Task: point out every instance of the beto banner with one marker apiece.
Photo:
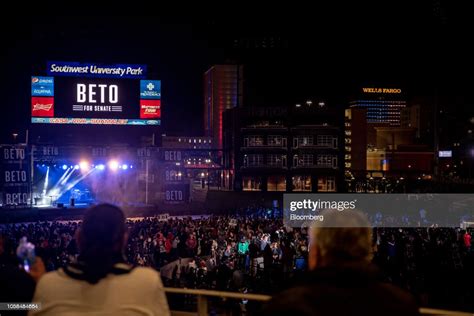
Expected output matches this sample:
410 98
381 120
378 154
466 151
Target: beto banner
176 193
15 173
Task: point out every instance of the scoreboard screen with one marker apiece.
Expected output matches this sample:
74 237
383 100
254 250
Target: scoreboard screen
77 93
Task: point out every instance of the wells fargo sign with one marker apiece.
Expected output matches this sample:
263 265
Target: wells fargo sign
381 90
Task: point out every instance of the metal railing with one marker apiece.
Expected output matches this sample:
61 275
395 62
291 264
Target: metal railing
203 295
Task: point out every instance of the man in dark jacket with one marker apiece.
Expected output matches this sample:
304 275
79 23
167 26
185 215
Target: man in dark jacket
342 281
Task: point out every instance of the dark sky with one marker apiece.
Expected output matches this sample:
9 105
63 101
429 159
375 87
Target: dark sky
326 51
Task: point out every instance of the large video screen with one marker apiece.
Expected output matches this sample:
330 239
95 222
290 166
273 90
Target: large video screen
79 93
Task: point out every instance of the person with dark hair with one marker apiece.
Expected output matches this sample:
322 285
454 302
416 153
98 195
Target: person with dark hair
99 282
253 254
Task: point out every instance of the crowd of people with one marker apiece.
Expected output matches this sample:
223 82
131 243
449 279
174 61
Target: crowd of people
255 252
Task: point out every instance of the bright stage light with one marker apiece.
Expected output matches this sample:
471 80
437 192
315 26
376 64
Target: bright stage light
84 165
64 167
76 167
100 167
113 165
124 167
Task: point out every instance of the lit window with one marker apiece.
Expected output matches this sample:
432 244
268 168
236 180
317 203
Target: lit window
301 183
326 184
251 184
276 183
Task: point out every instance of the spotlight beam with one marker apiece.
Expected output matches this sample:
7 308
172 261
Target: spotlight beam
63 176
76 181
58 183
45 187
68 176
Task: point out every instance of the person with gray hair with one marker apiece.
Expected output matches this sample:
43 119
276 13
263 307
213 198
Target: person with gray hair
341 238
342 279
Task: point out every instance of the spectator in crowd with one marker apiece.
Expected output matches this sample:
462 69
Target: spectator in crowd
410 257
242 251
16 285
267 263
467 241
253 255
99 282
191 245
342 280
264 241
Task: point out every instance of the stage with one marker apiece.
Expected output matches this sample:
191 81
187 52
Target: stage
215 202
71 213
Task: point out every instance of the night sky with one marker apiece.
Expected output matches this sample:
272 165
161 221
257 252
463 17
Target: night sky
290 54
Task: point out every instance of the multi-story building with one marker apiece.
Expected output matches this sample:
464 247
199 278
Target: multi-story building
383 105
396 153
382 138
410 117
223 90
355 141
293 148
420 116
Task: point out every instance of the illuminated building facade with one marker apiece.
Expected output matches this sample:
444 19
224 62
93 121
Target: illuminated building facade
355 141
288 149
186 142
189 159
223 90
383 105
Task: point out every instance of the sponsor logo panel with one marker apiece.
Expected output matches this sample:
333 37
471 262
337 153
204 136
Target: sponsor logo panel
150 89
150 109
42 107
42 86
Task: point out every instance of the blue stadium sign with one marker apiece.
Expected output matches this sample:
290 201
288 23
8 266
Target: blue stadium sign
94 70
42 86
150 89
